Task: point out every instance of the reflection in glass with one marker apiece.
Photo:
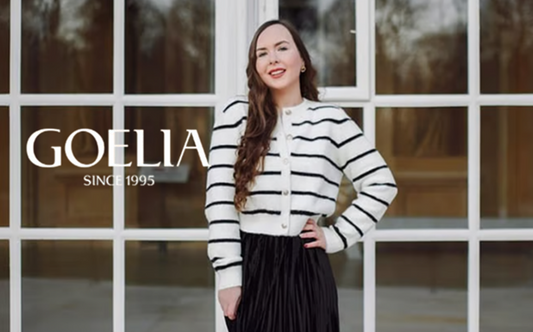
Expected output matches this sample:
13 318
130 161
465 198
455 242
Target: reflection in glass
67 286
506 46
347 268
4 46
506 164
421 46
506 286
426 149
169 287
60 197
177 198
4 166
329 41
67 46
421 287
170 46
4 286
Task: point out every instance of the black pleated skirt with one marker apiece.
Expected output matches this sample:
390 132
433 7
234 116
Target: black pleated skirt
286 287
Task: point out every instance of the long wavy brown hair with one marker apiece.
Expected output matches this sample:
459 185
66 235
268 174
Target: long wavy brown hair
262 115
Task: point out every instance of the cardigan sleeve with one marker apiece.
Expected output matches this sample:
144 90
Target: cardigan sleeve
371 178
224 247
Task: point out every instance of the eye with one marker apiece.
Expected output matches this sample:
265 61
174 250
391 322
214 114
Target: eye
283 48
259 55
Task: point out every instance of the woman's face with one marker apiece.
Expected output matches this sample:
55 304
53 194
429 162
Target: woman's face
278 60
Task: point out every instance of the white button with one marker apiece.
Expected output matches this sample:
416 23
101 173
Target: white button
288 112
285 161
285 192
289 137
283 225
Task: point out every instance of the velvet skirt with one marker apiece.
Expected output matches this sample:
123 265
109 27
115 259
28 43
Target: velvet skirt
286 287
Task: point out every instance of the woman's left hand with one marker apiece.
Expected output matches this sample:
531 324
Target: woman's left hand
316 232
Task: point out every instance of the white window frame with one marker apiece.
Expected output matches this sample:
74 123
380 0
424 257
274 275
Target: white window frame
235 22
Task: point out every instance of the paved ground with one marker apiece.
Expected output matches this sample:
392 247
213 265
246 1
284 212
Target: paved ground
84 306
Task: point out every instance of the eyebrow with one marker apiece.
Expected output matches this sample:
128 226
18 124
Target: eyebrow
280 42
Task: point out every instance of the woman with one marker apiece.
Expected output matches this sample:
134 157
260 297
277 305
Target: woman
276 161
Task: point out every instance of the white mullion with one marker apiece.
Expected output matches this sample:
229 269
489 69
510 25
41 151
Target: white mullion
82 99
506 235
372 43
369 122
268 10
421 235
369 256
474 147
422 100
119 286
201 234
15 194
226 82
177 100
189 234
369 285
345 93
506 100
362 58
5 99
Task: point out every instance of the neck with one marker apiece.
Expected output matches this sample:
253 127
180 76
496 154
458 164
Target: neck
286 98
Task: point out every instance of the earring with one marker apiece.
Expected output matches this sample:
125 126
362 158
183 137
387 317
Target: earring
303 68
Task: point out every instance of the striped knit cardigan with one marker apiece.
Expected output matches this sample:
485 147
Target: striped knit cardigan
313 145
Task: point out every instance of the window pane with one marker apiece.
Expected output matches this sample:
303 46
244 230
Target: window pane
169 287
170 46
4 286
506 46
421 46
4 46
506 287
67 46
329 41
177 199
347 268
67 286
421 287
506 164
61 196
4 166
426 149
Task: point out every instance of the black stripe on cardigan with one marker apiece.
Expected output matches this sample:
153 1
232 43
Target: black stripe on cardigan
222 267
219 203
337 121
353 224
224 221
316 176
229 126
374 198
341 236
220 184
364 154
365 212
327 138
373 170
234 103
261 211
224 241
310 193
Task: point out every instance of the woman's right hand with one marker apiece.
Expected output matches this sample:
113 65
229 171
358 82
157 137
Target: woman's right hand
230 299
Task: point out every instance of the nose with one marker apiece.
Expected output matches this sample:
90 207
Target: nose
273 58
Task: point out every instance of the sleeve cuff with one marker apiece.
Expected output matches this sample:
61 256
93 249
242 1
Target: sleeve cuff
333 242
230 277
